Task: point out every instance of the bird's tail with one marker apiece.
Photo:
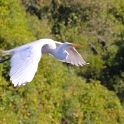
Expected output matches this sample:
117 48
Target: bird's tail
4 53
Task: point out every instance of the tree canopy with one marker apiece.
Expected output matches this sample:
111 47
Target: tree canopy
62 93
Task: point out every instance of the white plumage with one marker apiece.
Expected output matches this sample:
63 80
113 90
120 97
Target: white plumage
25 59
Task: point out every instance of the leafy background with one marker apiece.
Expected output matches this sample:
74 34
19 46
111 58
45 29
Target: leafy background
61 93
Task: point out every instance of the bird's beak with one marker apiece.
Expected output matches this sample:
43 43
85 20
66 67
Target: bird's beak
75 45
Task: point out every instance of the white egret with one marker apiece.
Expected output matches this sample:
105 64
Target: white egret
25 58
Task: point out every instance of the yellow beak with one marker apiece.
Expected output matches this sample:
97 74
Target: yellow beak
75 45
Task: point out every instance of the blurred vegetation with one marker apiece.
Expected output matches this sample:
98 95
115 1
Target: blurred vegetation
61 93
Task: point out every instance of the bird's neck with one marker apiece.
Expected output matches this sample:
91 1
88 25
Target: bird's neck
59 54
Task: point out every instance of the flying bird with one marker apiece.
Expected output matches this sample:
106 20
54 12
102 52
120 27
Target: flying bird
25 58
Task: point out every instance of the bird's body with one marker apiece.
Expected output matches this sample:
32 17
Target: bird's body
25 58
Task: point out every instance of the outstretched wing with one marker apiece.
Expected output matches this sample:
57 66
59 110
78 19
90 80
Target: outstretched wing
74 57
24 64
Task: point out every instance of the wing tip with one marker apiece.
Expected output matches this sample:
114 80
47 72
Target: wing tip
18 83
84 63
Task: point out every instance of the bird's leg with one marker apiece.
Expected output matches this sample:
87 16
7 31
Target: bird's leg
3 60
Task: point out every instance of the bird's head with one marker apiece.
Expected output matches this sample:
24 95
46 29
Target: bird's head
75 45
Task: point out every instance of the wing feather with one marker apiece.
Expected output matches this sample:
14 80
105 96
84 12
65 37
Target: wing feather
24 64
74 57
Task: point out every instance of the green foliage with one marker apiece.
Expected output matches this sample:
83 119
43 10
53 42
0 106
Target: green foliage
98 26
58 96
14 29
113 59
39 29
61 93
